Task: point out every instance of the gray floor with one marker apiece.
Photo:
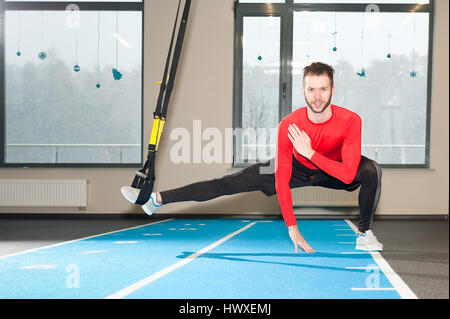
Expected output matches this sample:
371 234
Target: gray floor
417 250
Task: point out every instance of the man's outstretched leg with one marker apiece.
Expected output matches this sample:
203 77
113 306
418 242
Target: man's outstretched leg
246 180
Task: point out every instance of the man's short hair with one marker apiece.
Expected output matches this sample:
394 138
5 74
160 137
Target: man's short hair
319 68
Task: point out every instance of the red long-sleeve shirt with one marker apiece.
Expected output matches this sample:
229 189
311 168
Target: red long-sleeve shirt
337 145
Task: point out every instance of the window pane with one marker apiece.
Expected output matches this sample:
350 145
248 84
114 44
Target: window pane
55 113
391 94
260 88
365 1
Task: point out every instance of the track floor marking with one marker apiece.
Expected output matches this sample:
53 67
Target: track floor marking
403 290
80 239
144 282
372 289
354 252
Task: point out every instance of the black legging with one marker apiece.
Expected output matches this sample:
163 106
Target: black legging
259 178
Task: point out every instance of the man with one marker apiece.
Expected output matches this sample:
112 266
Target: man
317 145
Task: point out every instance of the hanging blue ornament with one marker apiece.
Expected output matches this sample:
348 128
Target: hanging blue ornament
413 73
362 73
389 46
259 57
42 55
98 50
116 74
334 34
76 67
18 40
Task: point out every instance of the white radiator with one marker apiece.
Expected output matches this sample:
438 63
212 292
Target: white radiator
43 192
323 197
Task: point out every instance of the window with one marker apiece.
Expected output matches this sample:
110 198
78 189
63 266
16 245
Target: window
380 50
260 84
71 84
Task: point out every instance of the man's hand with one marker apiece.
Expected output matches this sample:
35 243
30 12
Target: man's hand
298 240
301 141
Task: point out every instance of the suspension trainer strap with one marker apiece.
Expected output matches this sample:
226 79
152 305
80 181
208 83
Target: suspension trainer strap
145 177
176 57
163 82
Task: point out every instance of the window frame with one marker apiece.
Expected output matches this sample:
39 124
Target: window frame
286 12
61 6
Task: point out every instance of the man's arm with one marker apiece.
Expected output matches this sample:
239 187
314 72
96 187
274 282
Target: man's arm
283 173
345 170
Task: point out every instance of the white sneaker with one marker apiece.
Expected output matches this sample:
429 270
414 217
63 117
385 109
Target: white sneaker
131 194
368 241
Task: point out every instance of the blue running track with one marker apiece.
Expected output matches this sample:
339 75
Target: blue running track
201 259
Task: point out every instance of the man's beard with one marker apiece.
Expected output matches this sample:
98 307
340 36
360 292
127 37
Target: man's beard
310 106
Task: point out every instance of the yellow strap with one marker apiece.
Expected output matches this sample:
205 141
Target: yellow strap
158 125
154 131
161 126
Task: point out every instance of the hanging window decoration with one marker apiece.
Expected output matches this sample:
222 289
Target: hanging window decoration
334 34
76 67
42 55
413 73
389 46
19 53
116 74
98 50
362 73
259 39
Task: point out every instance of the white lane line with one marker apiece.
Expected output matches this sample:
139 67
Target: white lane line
80 239
126 242
373 289
88 252
38 267
144 282
403 290
354 252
